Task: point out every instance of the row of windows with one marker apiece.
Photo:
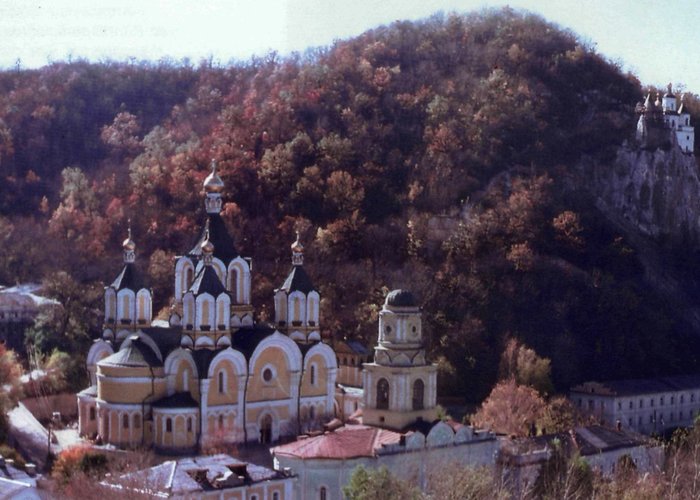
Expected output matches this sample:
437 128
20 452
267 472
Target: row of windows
383 394
267 376
169 424
659 418
672 400
353 361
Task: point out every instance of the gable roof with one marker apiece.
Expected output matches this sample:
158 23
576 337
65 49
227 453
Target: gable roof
297 281
129 278
207 281
224 248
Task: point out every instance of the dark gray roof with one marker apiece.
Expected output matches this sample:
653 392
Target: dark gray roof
137 353
178 477
247 339
90 391
351 347
202 358
207 281
587 440
634 387
224 248
167 339
400 298
129 278
297 281
177 400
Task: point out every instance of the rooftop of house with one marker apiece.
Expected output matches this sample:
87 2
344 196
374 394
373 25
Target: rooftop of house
348 441
638 387
587 440
188 477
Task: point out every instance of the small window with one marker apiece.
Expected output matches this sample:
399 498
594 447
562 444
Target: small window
221 422
661 401
312 412
619 405
312 375
651 402
323 493
92 413
189 425
692 398
629 422
672 399
168 425
631 405
221 381
125 421
682 399
253 497
137 421
275 496
267 374
641 403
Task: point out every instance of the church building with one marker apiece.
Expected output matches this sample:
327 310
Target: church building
212 373
663 123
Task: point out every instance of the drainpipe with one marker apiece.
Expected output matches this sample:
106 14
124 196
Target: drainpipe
245 394
201 398
143 406
301 378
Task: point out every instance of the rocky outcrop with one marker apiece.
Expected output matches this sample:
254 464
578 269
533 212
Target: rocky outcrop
658 192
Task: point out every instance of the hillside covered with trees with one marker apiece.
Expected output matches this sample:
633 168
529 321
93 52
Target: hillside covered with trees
474 124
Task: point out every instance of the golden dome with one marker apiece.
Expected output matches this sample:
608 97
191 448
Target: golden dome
213 183
207 246
297 247
128 244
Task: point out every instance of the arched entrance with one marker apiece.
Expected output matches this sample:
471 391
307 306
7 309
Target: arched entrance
266 429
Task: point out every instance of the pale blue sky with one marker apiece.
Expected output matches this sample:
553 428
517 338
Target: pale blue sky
657 40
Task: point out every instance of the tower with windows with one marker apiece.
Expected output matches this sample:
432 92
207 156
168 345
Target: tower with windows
297 302
400 385
232 270
206 306
662 123
128 303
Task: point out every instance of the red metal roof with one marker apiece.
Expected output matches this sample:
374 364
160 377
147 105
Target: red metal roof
350 441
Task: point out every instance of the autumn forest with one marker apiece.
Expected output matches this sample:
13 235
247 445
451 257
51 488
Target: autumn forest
440 156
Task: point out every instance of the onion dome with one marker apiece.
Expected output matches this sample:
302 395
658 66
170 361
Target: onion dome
400 298
669 92
207 246
128 244
213 183
657 103
297 247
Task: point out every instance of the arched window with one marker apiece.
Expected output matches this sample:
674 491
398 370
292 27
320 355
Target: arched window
204 324
92 413
186 380
418 393
233 284
312 412
137 421
323 493
142 308
188 278
312 375
189 424
168 425
125 421
221 422
296 310
221 382
126 312
382 394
